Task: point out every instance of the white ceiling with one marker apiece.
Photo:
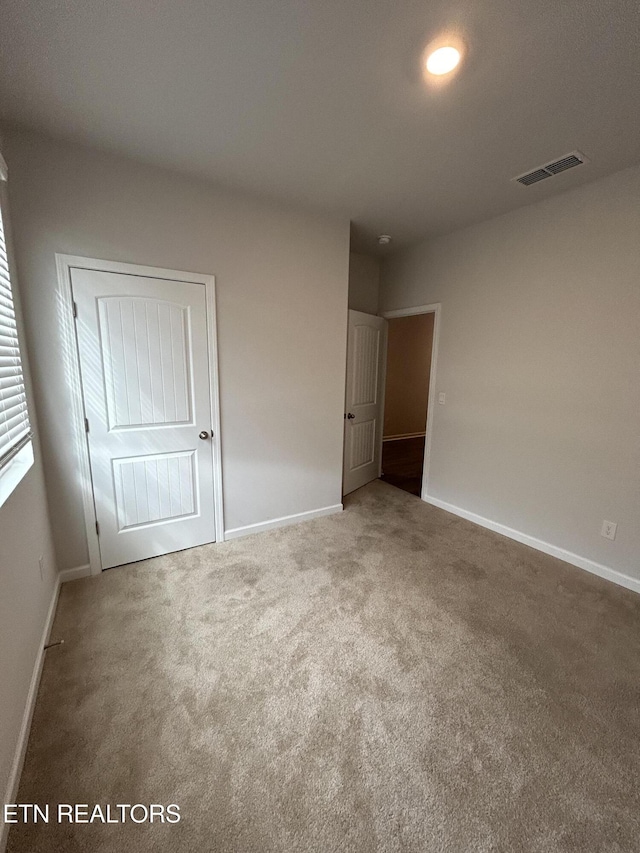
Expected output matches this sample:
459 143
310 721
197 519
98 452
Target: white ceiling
322 102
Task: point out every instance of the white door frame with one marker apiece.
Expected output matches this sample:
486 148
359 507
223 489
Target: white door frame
435 308
67 326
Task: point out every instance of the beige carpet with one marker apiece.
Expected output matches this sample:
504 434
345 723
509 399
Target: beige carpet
389 679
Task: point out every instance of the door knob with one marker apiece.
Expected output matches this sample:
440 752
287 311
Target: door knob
350 416
204 435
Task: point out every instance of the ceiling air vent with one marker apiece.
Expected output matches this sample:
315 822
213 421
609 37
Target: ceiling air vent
551 169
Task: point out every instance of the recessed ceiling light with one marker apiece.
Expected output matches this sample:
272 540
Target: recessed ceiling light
384 239
443 60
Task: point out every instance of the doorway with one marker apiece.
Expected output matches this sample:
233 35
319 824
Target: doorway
389 397
145 375
410 372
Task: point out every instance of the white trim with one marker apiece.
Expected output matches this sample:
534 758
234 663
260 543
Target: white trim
261 526
64 265
404 436
66 575
383 394
435 308
410 312
12 474
553 550
27 716
4 173
212 334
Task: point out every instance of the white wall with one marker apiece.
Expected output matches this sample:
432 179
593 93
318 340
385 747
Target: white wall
364 283
282 282
540 360
25 596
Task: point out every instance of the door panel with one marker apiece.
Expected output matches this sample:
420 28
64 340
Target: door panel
145 375
363 443
149 489
146 346
366 347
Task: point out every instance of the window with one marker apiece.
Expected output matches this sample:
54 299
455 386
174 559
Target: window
16 454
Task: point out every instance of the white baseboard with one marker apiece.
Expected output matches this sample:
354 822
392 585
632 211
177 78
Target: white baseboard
235 532
23 737
553 550
73 574
404 436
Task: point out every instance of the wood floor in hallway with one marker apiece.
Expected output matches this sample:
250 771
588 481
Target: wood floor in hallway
402 463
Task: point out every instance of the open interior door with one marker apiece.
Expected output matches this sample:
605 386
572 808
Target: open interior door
364 410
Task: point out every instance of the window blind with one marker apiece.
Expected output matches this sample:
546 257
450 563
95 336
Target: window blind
15 430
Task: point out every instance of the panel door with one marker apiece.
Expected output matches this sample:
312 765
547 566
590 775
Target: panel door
145 375
366 353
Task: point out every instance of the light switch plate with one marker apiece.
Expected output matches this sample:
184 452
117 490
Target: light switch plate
441 398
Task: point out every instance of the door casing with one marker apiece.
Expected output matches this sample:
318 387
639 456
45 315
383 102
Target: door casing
64 265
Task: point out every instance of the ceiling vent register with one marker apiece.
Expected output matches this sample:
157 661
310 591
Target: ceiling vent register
551 169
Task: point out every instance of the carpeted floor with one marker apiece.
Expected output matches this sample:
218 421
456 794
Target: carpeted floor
392 679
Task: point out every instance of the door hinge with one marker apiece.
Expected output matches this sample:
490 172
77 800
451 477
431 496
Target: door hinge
97 529
75 310
86 424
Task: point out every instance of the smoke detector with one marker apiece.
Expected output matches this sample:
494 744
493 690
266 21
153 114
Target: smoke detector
384 240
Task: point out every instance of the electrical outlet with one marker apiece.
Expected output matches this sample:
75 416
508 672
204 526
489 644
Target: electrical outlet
609 529
41 564
441 398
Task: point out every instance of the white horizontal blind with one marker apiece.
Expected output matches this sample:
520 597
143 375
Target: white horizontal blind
14 418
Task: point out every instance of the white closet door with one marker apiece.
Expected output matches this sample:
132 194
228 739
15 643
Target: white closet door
145 376
366 352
